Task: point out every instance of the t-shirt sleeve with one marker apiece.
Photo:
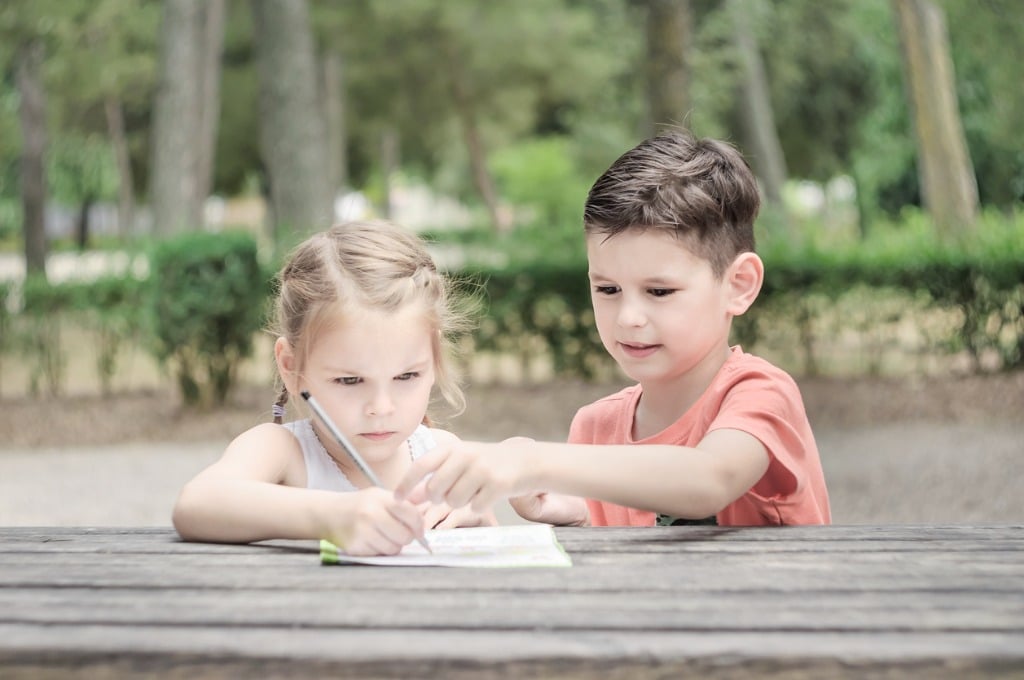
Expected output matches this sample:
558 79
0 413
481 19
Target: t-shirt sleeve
596 424
577 428
769 407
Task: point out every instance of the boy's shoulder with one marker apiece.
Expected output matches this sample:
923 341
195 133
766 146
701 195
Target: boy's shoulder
744 364
754 379
613 401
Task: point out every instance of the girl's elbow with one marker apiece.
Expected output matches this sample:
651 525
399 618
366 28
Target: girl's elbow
185 515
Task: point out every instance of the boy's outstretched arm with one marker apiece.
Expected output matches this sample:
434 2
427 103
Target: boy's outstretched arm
675 480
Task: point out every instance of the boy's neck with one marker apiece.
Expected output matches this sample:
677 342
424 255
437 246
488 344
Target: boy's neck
664 402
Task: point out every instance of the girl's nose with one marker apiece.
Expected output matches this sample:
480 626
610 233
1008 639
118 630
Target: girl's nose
380 405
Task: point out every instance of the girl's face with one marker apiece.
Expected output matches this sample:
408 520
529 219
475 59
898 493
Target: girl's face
373 376
660 311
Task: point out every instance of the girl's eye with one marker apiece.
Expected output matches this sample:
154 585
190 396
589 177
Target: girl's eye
408 376
606 290
347 380
660 292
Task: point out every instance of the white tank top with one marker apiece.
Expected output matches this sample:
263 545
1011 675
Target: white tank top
321 470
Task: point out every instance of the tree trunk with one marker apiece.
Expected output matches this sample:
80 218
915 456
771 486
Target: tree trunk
474 143
32 114
669 31
82 223
209 75
949 189
126 181
176 120
764 150
334 117
388 166
291 124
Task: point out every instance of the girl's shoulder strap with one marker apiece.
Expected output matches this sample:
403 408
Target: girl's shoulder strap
420 441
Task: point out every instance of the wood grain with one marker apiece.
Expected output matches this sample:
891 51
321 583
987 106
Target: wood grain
854 601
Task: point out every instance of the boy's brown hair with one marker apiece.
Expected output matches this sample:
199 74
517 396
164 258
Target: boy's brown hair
702 190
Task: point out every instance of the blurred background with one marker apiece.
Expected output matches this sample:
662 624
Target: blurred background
158 158
143 143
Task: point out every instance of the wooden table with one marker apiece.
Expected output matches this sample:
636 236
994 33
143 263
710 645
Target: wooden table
928 601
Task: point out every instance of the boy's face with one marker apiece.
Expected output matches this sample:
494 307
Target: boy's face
660 311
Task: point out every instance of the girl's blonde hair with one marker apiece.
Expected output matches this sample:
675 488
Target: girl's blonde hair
367 264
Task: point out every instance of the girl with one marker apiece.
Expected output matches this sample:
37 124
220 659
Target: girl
364 321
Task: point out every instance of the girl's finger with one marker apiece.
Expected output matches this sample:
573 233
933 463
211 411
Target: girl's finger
407 524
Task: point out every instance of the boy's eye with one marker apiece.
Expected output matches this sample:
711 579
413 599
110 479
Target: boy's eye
347 380
660 292
606 290
408 376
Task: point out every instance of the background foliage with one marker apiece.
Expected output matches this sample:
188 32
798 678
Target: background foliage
536 98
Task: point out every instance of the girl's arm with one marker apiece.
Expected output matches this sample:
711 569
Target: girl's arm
675 480
256 491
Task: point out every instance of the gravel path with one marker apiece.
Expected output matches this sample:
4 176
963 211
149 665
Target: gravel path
893 473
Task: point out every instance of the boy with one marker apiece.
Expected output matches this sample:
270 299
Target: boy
709 434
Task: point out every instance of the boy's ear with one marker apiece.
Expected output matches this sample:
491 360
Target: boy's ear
287 364
744 278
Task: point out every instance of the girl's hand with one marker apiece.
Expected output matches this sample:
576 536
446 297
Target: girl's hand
552 509
372 522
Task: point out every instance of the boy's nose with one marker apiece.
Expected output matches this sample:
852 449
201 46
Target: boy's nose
631 315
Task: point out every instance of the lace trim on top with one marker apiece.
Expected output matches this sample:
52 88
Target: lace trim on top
321 470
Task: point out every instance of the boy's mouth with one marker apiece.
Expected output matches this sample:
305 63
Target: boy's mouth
638 351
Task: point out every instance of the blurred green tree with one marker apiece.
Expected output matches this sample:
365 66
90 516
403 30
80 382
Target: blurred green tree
948 185
291 123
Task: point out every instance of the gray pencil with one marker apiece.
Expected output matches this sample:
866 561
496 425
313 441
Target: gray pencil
349 449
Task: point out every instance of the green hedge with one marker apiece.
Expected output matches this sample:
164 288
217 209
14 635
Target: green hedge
197 312
546 305
206 300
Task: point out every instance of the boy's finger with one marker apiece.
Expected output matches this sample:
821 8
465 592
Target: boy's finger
420 468
418 496
461 491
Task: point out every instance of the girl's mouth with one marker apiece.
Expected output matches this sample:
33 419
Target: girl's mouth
376 436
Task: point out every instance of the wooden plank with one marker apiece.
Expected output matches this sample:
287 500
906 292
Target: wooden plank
856 572
519 610
592 536
1003 580
216 652
659 602
980 543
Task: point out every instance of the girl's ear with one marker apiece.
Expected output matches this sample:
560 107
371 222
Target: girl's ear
287 364
744 278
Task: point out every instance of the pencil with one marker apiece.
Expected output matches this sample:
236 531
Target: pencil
350 450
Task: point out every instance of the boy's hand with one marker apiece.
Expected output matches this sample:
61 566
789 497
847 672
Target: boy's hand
547 508
468 473
374 524
442 516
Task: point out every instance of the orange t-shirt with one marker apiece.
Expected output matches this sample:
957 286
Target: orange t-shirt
747 394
